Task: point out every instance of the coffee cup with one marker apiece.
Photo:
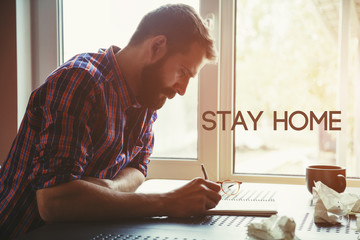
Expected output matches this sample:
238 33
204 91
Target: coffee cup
332 176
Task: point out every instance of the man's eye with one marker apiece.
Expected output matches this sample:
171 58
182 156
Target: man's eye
182 73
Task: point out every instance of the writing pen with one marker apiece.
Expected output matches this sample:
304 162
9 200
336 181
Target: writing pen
204 171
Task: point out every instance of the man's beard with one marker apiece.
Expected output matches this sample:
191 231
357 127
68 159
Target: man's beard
152 92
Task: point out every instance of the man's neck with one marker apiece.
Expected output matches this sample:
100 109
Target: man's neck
130 65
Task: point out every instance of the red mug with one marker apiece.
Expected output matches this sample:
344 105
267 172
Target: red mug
332 176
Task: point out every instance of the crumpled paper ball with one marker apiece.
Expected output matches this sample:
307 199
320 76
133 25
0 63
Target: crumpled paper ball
329 204
275 227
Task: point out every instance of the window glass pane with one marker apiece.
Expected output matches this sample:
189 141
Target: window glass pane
286 60
92 24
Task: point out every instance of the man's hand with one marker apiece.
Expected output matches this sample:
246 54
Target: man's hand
81 200
192 199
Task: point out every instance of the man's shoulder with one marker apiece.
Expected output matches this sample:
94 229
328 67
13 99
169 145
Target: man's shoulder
82 75
95 65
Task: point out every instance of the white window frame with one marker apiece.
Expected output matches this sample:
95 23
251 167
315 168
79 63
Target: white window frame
208 151
215 148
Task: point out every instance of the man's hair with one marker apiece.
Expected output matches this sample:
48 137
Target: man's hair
180 24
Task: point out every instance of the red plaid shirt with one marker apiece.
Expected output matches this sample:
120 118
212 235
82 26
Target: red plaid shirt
74 126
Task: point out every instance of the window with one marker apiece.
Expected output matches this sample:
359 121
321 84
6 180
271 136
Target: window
273 56
287 60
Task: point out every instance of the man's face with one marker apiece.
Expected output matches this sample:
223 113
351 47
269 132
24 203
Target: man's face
168 76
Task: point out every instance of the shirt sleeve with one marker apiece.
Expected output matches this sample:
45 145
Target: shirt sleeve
142 159
63 148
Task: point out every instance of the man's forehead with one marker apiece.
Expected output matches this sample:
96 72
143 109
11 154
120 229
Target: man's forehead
195 58
194 69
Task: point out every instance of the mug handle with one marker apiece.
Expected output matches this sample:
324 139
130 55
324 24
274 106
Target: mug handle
342 181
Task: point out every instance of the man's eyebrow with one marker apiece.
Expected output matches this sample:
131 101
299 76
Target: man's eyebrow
191 74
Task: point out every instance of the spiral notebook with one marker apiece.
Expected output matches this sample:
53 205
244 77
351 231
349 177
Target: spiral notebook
247 202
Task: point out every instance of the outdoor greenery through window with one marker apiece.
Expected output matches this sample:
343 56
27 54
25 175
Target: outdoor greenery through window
287 60
101 24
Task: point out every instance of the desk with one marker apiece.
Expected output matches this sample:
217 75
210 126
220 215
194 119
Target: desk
293 201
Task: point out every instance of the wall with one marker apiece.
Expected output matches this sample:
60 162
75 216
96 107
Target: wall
8 76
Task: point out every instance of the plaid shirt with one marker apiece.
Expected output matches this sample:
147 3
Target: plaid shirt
83 121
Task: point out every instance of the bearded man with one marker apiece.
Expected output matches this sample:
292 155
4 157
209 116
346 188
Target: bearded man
84 143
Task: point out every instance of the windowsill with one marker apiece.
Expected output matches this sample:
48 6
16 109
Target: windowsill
188 169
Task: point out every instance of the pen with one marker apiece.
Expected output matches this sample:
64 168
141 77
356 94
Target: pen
204 171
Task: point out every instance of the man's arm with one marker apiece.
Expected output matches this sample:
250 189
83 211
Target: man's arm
128 180
80 200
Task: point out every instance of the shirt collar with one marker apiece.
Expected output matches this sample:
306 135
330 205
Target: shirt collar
127 98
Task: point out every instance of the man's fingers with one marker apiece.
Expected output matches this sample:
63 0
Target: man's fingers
213 185
210 204
195 198
210 184
213 196
211 191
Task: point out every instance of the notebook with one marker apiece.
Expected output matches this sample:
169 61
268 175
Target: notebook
247 202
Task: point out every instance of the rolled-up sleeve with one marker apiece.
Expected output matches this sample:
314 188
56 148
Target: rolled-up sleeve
63 145
142 159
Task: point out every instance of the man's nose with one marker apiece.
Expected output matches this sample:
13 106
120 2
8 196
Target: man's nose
181 86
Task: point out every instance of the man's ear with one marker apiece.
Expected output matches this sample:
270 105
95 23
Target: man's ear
158 48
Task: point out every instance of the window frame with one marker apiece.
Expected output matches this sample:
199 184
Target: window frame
207 140
214 147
